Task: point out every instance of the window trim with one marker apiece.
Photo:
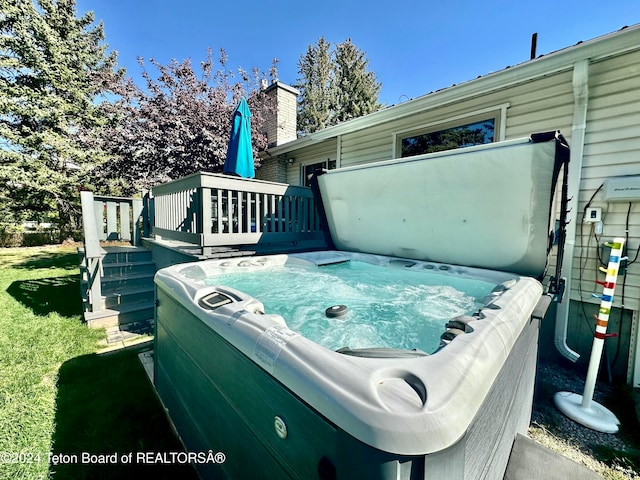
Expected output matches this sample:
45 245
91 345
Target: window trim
326 163
498 113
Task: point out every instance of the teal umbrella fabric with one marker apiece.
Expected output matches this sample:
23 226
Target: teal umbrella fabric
239 159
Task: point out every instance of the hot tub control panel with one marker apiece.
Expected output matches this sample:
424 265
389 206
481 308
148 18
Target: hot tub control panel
214 300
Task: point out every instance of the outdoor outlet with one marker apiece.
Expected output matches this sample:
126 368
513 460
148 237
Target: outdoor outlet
593 215
599 227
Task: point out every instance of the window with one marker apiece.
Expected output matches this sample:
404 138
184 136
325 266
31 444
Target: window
308 170
458 136
471 128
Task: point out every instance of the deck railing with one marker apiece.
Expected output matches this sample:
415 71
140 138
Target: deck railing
117 218
104 218
211 210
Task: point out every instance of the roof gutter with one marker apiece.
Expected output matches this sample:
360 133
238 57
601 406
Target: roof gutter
578 130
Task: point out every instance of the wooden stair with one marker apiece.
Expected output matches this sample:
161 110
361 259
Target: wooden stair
127 300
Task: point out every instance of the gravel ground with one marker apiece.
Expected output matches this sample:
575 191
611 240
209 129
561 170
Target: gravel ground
613 456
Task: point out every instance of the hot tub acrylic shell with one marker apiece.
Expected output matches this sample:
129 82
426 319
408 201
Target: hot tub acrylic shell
279 405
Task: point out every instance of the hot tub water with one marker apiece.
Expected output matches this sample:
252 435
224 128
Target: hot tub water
387 307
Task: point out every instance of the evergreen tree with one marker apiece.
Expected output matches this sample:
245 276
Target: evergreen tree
52 67
356 88
317 103
334 85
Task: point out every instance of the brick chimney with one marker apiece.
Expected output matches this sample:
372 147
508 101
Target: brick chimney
281 125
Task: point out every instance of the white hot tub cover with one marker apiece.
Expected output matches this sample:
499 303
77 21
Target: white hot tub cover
487 206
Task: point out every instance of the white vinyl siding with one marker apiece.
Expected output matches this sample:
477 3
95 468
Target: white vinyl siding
365 146
612 148
541 105
552 110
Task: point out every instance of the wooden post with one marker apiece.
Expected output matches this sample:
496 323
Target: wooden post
125 221
92 250
138 224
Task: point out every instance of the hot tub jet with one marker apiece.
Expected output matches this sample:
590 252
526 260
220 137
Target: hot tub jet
336 311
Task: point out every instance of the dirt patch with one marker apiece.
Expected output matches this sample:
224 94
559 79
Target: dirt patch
613 456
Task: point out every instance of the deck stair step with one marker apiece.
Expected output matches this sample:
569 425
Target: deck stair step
121 254
125 256
131 279
127 289
112 269
127 295
129 333
120 315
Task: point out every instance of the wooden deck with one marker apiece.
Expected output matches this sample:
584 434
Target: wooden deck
171 252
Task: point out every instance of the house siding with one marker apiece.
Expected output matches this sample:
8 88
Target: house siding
533 107
366 146
541 105
612 146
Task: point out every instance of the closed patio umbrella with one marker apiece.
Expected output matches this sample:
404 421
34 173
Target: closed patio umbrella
239 159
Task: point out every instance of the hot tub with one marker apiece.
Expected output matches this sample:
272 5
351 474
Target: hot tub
370 411
322 389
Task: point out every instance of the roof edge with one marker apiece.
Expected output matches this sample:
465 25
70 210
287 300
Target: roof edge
614 43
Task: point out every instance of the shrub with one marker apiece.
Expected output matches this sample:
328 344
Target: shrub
14 235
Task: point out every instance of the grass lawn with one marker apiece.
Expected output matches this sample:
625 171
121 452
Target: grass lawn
60 400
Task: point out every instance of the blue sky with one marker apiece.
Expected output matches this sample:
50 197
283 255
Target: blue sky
413 47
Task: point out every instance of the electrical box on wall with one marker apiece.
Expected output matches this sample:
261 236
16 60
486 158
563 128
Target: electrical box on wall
592 215
622 189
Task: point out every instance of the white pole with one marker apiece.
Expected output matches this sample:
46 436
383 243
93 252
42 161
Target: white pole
602 319
583 409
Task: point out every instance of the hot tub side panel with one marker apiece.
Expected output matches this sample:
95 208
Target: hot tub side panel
505 412
220 400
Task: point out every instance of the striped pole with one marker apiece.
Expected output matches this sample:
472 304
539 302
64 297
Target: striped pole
582 408
602 320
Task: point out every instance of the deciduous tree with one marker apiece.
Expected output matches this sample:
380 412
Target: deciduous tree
180 123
